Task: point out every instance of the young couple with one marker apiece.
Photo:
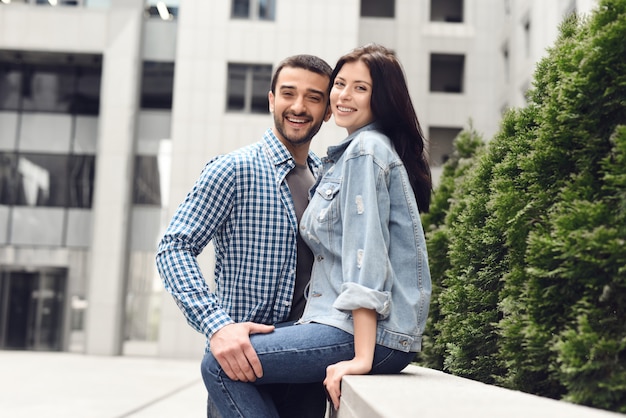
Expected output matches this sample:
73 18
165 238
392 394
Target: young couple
357 253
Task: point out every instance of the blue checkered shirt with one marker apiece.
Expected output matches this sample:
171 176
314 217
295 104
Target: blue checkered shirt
243 204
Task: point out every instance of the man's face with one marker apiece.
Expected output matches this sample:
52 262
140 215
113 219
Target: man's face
299 105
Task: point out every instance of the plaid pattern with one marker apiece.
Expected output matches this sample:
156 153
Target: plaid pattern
242 203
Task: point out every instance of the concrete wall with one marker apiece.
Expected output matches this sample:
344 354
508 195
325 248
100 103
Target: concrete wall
422 392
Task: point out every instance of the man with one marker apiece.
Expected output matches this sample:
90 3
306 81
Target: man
249 203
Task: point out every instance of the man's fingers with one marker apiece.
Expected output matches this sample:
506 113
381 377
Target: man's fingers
254 362
237 368
233 351
255 328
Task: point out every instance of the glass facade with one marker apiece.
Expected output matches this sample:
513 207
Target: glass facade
247 88
49 104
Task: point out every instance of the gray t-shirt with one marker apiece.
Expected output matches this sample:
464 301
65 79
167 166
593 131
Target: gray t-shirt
300 180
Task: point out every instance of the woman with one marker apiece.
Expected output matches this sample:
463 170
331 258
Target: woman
370 286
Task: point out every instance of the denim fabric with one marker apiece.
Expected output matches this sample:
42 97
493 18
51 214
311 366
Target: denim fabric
364 228
294 354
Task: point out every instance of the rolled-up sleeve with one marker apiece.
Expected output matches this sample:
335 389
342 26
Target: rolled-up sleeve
354 296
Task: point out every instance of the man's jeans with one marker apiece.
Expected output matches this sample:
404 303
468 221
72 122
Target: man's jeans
292 400
294 354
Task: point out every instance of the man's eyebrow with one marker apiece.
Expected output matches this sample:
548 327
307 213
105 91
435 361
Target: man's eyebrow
309 90
315 91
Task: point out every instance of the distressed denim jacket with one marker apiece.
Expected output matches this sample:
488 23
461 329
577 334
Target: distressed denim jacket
365 231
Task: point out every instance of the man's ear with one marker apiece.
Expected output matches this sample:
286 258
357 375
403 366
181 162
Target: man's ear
270 99
328 114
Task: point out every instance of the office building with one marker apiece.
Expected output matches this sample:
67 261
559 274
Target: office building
109 109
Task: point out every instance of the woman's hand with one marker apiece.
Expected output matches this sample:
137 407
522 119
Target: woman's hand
335 372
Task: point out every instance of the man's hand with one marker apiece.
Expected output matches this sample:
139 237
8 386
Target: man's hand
232 349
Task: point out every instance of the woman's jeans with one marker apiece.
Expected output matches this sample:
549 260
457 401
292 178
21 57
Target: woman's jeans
293 354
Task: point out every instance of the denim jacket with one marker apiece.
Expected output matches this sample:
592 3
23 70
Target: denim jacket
365 231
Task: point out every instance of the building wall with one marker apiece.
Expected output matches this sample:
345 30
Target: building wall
111 266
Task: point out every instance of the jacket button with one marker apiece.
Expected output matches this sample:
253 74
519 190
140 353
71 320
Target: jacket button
320 257
329 192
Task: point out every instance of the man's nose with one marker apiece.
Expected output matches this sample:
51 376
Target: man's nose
298 105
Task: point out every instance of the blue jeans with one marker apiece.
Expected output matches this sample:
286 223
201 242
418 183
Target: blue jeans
293 354
301 400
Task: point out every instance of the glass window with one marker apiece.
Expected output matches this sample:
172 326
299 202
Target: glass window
8 178
450 11
261 81
10 86
236 90
81 173
159 9
50 82
266 9
42 179
241 9
253 9
147 187
48 88
86 99
248 85
446 73
157 85
378 8
46 180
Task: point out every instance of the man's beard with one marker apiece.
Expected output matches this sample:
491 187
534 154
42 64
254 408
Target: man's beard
306 138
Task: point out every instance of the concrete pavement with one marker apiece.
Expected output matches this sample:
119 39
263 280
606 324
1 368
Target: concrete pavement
50 385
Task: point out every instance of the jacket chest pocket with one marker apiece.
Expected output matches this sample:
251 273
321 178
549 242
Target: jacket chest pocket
327 204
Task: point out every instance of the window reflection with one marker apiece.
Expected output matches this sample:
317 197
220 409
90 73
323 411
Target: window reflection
147 187
241 8
8 180
41 179
266 9
10 86
47 89
81 179
157 85
50 82
46 180
247 88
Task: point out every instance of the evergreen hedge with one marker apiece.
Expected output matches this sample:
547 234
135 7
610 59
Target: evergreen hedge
527 237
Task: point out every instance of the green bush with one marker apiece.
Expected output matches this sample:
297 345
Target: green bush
528 258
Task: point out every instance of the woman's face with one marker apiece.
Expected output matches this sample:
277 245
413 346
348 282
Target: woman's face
350 96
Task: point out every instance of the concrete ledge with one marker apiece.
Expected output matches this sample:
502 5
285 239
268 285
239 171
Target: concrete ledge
422 392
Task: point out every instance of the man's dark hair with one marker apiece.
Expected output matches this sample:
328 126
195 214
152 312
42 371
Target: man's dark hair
304 61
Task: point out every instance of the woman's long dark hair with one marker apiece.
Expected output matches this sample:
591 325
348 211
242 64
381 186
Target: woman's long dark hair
393 110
